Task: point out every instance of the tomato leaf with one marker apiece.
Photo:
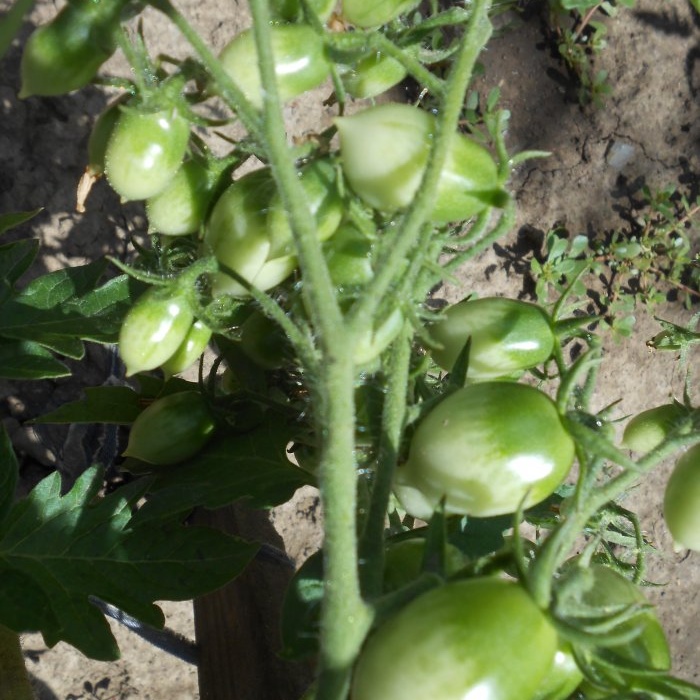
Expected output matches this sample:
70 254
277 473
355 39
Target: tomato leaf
15 259
102 404
58 550
60 309
231 467
8 221
9 470
24 359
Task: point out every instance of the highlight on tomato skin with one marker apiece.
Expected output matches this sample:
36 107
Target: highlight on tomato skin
484 449
481 638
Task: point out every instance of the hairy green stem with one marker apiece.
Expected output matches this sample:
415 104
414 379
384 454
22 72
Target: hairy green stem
14 681
345 618
393 416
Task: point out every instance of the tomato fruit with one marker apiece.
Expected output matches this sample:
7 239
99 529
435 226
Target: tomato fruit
384 151
373 75
237 234
481 638
154 329
485 448
180 208
145 151
300 62
649 429
264 342
682 500
66 54
563 677
347 255
292 11
403 562
507 336
365 13
172 429
189 351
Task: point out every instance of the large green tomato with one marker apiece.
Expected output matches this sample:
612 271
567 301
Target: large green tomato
506 336
484 449
682 500
477 639
384 152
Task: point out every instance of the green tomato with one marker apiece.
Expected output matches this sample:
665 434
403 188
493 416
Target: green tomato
264 342
369 13
384 152
145 152
154 329
319 182
292 10
179 209
403 562
373 75
649 429
563 677
190 350
66 54
348 258
481 638
682 500
484 449
507 336
300 62
237 234
171 429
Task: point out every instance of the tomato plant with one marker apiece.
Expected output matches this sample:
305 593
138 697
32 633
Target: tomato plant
308 267
172 429
482 637
485 449
682 500
506 335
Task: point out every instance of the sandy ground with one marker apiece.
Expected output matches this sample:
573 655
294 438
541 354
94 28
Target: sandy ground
653 59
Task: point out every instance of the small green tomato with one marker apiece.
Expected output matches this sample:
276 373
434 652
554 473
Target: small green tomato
682 501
